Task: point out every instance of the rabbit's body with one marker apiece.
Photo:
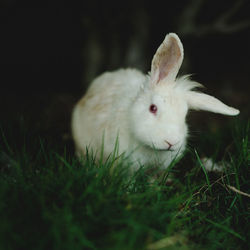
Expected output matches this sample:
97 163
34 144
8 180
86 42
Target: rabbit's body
141 115
103 111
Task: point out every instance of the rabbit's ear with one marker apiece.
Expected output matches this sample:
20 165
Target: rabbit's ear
200 101
167 59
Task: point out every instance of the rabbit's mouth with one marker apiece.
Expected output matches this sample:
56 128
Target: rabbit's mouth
165 149
162 149
166 146
169 148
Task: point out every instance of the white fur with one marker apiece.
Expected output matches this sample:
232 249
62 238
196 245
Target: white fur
117 103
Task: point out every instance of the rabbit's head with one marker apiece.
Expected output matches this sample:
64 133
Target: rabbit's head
157 116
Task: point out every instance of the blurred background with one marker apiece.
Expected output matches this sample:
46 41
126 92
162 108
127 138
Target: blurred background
49 55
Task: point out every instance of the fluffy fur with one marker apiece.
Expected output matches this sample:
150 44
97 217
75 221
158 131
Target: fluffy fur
117 105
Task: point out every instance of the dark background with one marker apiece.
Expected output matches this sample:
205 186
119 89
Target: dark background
49 55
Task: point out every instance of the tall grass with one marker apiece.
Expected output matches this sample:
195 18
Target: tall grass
51 200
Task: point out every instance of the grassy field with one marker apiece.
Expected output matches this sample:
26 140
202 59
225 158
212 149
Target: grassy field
50 200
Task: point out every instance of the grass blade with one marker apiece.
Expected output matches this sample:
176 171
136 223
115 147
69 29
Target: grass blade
204 170
226 229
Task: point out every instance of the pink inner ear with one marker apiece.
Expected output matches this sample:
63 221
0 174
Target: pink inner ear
168 60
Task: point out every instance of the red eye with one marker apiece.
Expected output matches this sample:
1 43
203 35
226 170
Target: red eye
153 108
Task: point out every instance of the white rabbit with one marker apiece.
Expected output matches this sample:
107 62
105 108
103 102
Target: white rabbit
146 113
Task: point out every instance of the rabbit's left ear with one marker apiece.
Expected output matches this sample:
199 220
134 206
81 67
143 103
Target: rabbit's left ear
200 101
167 59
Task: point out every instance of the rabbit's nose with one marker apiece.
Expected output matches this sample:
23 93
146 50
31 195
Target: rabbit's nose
169 144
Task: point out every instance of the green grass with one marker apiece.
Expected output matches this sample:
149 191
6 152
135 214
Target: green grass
50 200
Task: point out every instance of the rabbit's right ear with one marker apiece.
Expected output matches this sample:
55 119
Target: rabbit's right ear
200 101
167 59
